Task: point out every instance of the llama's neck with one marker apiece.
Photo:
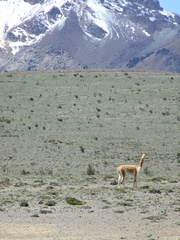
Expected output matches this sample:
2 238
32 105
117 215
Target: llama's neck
141 162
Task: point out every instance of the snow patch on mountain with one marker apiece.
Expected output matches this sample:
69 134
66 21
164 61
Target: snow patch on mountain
14 13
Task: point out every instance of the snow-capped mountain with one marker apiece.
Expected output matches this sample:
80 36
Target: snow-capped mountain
51 34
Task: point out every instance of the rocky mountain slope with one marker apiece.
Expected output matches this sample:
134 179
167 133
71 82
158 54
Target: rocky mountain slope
52 34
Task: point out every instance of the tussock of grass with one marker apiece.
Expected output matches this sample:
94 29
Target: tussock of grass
50 203
119 211
35 215
24 172
155 218
157 179
90 170
125 204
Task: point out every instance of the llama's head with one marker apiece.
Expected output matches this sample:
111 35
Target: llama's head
143 155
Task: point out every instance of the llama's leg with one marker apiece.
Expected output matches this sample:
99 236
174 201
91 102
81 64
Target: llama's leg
135 180
121 177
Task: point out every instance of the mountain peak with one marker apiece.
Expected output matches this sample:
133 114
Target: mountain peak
153 4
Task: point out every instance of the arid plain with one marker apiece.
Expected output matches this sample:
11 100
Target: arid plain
64 133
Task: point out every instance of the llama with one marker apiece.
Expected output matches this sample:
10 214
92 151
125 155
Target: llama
131 169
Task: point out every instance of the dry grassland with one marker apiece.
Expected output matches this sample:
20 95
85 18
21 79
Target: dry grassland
64 133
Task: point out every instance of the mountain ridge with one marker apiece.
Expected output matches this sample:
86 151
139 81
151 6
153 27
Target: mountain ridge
87 34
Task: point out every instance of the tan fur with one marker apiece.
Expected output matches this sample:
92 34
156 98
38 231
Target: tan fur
131 169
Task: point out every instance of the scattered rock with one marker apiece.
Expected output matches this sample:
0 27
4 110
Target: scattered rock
90 211
154 191
114 183
49 187
145 187
44 211
24 204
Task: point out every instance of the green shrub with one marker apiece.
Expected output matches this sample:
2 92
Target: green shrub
24 172
74 201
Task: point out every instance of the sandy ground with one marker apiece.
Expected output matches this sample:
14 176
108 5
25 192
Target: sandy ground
97 219
54 124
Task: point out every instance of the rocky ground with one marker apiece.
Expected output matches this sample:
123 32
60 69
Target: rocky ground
64 133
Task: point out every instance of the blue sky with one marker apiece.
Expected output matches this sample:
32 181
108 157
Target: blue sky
171 5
